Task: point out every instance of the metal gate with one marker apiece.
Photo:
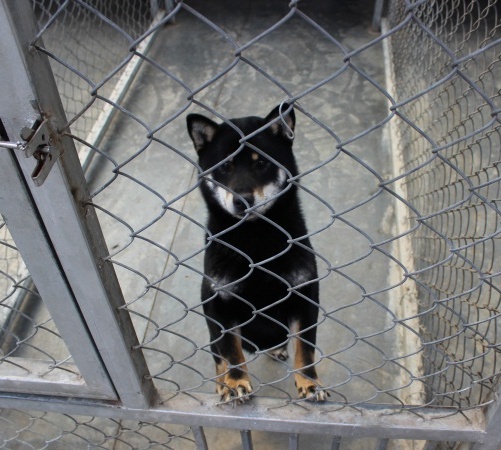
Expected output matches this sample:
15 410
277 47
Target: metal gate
103 340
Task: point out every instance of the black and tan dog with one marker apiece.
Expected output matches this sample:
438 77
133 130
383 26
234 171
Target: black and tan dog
260 285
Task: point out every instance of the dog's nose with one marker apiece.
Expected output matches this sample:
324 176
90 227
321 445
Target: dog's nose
242 202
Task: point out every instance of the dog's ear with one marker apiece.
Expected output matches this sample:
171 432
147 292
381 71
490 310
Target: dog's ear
201 130
284 126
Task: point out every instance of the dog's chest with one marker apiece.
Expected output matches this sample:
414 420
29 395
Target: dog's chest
259 286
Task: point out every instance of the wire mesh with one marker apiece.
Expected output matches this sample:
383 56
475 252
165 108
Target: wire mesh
27 331
411 330
85 40
443 106
447 91
40 430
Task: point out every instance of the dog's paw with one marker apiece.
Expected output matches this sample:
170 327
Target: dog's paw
311 391
279 353
313 394
232 390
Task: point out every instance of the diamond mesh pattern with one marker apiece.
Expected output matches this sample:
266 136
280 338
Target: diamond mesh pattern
405 229
27 331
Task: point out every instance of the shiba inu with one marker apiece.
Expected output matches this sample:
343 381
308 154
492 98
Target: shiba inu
260 286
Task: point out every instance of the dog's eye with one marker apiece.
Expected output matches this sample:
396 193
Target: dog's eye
262 164
226 167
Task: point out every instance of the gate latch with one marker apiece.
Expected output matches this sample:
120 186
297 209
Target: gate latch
36 143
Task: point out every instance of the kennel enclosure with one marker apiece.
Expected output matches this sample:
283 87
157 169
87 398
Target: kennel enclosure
398 143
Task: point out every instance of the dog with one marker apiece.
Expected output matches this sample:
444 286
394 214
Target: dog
260 285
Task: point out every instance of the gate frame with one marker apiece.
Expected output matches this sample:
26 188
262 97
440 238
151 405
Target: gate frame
28 232
71 224
91 292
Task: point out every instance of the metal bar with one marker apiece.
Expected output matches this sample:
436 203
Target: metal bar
12 145
32 376
246 439
336 442
377 15
263 414
294 441
170 5
431 445
71 224
24 225
382 444
153 7
200 440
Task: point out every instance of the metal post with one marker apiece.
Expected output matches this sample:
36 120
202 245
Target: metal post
294 441
377 15
492 439
200 440
382 444
336 442
246 440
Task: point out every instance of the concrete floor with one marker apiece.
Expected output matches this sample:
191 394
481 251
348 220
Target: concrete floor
356 335
298 57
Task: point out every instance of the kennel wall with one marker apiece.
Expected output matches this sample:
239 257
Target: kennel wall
448 136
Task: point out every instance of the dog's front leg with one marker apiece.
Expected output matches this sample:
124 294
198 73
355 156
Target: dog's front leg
233 381
305 373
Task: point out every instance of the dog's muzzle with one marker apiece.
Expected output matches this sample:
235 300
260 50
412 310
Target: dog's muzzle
242 202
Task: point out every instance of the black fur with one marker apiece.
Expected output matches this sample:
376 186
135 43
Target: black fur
252 261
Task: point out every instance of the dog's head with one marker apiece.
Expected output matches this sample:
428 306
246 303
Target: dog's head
245 171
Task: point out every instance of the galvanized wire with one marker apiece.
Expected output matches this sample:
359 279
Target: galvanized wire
442 110
84 39
42 430
435 83
27 331
450 142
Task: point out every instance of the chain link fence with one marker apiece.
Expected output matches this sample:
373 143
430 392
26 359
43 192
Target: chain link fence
87 39
447 104
27 332
34 429
397 140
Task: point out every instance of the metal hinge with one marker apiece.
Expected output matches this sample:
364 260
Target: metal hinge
36 143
